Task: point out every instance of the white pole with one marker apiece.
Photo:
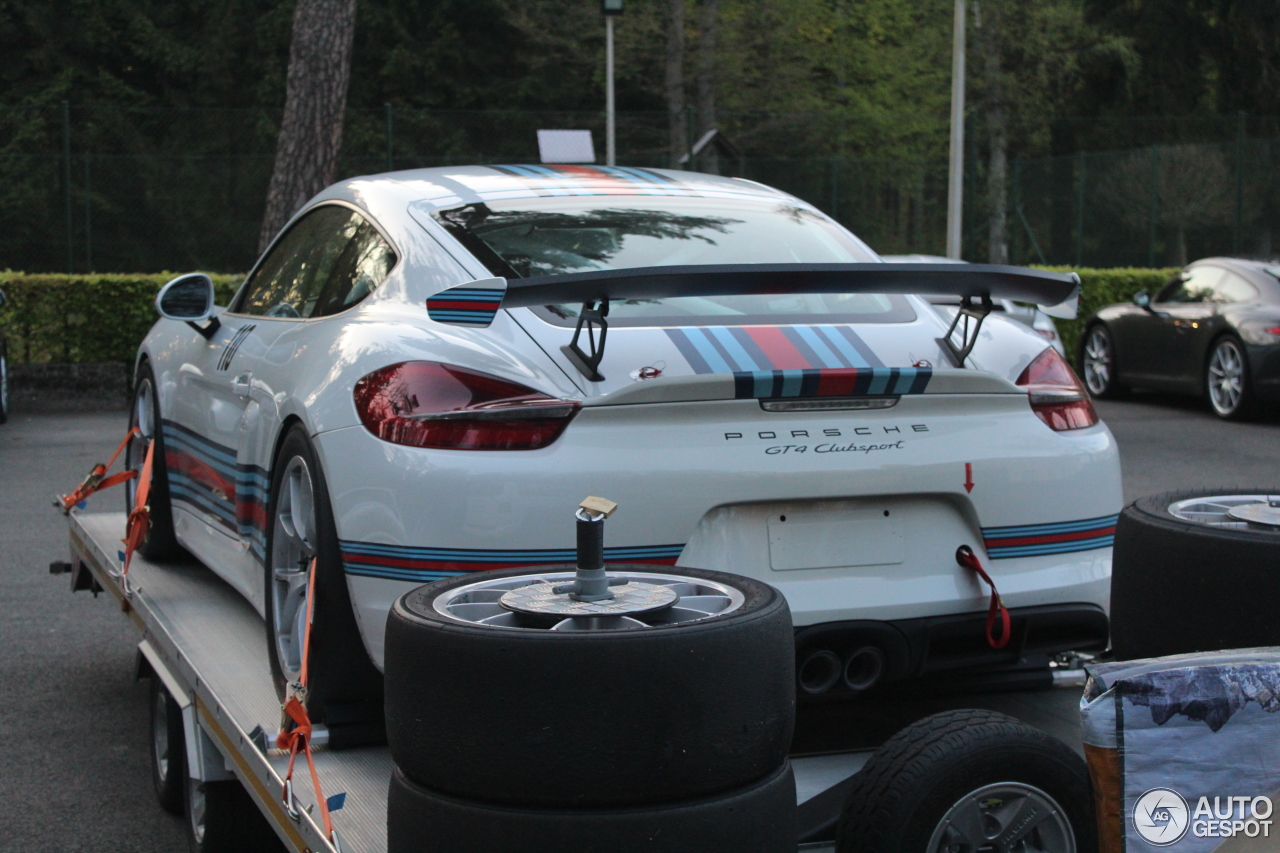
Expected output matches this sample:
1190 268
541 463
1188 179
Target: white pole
611 144
955 178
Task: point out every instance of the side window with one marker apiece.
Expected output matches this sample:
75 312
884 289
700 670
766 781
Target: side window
362 266
291 277
1195 285
1233 288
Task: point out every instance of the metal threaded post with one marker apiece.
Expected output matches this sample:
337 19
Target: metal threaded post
591 583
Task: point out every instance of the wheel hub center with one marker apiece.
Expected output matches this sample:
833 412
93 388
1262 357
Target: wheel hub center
628 599
1257 515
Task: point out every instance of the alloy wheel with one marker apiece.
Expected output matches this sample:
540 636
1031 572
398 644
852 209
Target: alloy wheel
1098 361
1007 817
293 544
1226 377
196 810
160 734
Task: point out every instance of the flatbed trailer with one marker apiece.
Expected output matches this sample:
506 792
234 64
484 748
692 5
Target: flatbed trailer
206 644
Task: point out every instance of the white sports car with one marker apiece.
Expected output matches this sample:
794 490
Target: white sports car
415 381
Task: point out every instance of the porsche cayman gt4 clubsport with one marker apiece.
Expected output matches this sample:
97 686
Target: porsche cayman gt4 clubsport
428 370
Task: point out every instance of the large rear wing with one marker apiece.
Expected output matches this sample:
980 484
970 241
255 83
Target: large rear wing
475 303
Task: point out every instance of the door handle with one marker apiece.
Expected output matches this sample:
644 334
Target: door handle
240 385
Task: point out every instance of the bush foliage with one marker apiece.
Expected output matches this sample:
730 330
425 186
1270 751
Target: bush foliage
84 318
97 318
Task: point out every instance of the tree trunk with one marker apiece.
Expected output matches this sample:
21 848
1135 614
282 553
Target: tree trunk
677 124
988 27
707 21
315 100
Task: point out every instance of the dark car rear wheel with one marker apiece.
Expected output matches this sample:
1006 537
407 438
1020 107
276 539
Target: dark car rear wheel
1098 362
1226 379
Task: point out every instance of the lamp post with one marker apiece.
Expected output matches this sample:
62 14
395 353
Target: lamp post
955 177
610 9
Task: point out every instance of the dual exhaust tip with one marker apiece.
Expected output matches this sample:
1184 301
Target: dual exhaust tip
822 669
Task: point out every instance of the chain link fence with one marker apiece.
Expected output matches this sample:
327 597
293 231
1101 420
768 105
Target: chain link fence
106 189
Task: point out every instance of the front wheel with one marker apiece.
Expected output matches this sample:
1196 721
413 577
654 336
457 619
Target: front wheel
160 542
344 688
1226 379
972 781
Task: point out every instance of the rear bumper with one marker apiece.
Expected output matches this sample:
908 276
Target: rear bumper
953 650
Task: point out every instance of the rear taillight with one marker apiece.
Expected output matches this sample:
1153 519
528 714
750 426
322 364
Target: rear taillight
427 404
1057 395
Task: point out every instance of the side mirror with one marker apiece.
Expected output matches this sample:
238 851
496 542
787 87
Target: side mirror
189 298
1143 300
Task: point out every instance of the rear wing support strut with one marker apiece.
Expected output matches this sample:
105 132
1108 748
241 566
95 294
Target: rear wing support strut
969 310
592 318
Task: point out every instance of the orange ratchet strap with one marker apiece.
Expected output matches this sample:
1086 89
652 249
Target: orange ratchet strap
97 479
968 559
298 738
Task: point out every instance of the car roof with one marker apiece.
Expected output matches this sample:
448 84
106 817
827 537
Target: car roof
451 186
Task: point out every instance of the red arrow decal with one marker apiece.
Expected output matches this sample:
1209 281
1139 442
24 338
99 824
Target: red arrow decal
968 476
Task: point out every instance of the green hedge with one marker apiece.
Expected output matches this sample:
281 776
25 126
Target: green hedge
1102 287
85 318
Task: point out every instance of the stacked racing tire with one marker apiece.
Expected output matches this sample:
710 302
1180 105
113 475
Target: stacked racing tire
515 728
1196 571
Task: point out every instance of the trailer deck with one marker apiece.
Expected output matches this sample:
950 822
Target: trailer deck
206 642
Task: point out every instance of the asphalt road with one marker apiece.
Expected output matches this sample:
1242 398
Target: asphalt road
74 772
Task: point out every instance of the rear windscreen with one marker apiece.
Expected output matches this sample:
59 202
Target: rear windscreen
550 236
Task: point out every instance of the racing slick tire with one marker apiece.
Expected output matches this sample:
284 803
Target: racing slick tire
168 749
760 817
590 718
222 818
160 543
1180 586
344 688
962 780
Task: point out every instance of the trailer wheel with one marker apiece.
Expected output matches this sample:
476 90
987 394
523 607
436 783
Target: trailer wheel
345 688
222 818
760 817
160 542
589 716
168 749
969 780
1188 577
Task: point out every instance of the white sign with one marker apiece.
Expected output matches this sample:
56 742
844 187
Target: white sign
566 146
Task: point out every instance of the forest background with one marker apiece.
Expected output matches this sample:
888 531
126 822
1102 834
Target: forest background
138 135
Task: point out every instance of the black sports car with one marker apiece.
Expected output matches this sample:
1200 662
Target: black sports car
1213 331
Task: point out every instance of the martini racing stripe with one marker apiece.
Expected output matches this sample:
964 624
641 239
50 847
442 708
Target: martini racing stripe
469 306
733 349
423 565
835 382
1033 540
206 476
594 180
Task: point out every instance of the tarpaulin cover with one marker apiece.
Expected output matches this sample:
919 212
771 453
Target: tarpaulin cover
1200 725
